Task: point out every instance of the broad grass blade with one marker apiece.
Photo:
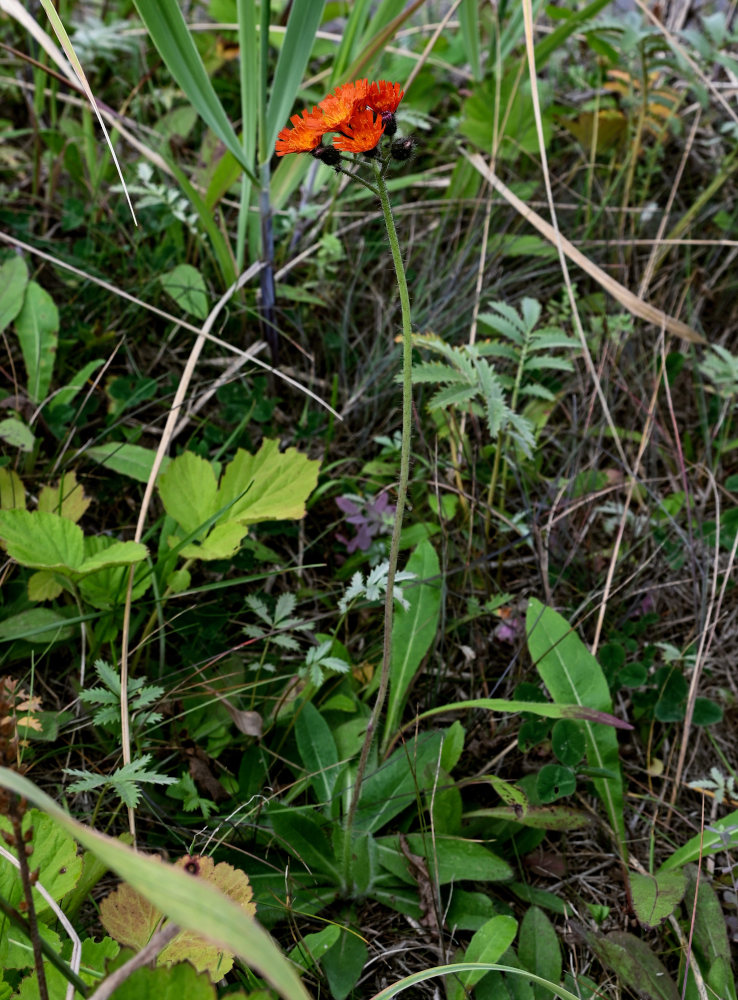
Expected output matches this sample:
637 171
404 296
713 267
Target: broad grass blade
303 22
469 20
166 26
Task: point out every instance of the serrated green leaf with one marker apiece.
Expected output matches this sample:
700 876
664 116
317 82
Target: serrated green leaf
221 542
117 554
37 326
42 541
188 490
54 854
452 396
268 486
94 958
43 586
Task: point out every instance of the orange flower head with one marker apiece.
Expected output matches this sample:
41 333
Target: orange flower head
306 135
339 106
384 97
361 134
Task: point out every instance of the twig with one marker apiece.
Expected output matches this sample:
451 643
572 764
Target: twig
143 957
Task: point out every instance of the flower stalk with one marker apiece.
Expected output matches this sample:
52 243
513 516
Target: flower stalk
359 115
389 608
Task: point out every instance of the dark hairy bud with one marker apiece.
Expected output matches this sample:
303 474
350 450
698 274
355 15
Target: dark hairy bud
403 149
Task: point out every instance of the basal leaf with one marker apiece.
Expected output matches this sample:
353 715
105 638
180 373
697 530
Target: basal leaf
539 950
343 963
710 935
488 944
42 541
449 858
37 326
655 897
635 963
413 630
13 282
574 676
318 751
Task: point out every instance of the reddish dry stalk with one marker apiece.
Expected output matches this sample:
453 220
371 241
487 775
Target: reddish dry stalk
16 808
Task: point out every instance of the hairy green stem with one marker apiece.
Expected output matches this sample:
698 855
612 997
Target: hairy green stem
407 401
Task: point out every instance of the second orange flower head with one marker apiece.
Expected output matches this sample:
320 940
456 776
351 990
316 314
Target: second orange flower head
349 111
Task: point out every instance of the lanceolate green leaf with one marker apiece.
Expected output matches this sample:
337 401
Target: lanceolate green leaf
190 903
170 35
37 326
318 751
13 281
414 629
572 674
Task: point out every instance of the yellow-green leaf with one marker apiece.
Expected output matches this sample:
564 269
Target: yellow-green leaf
66 498
12 493
268 486
43 586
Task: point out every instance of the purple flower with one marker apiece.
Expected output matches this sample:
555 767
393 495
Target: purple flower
369 515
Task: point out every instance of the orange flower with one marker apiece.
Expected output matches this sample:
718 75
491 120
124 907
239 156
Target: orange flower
339 106
384 97
306 135
361 134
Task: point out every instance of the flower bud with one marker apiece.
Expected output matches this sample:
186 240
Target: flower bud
328 155
403 149
389 122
